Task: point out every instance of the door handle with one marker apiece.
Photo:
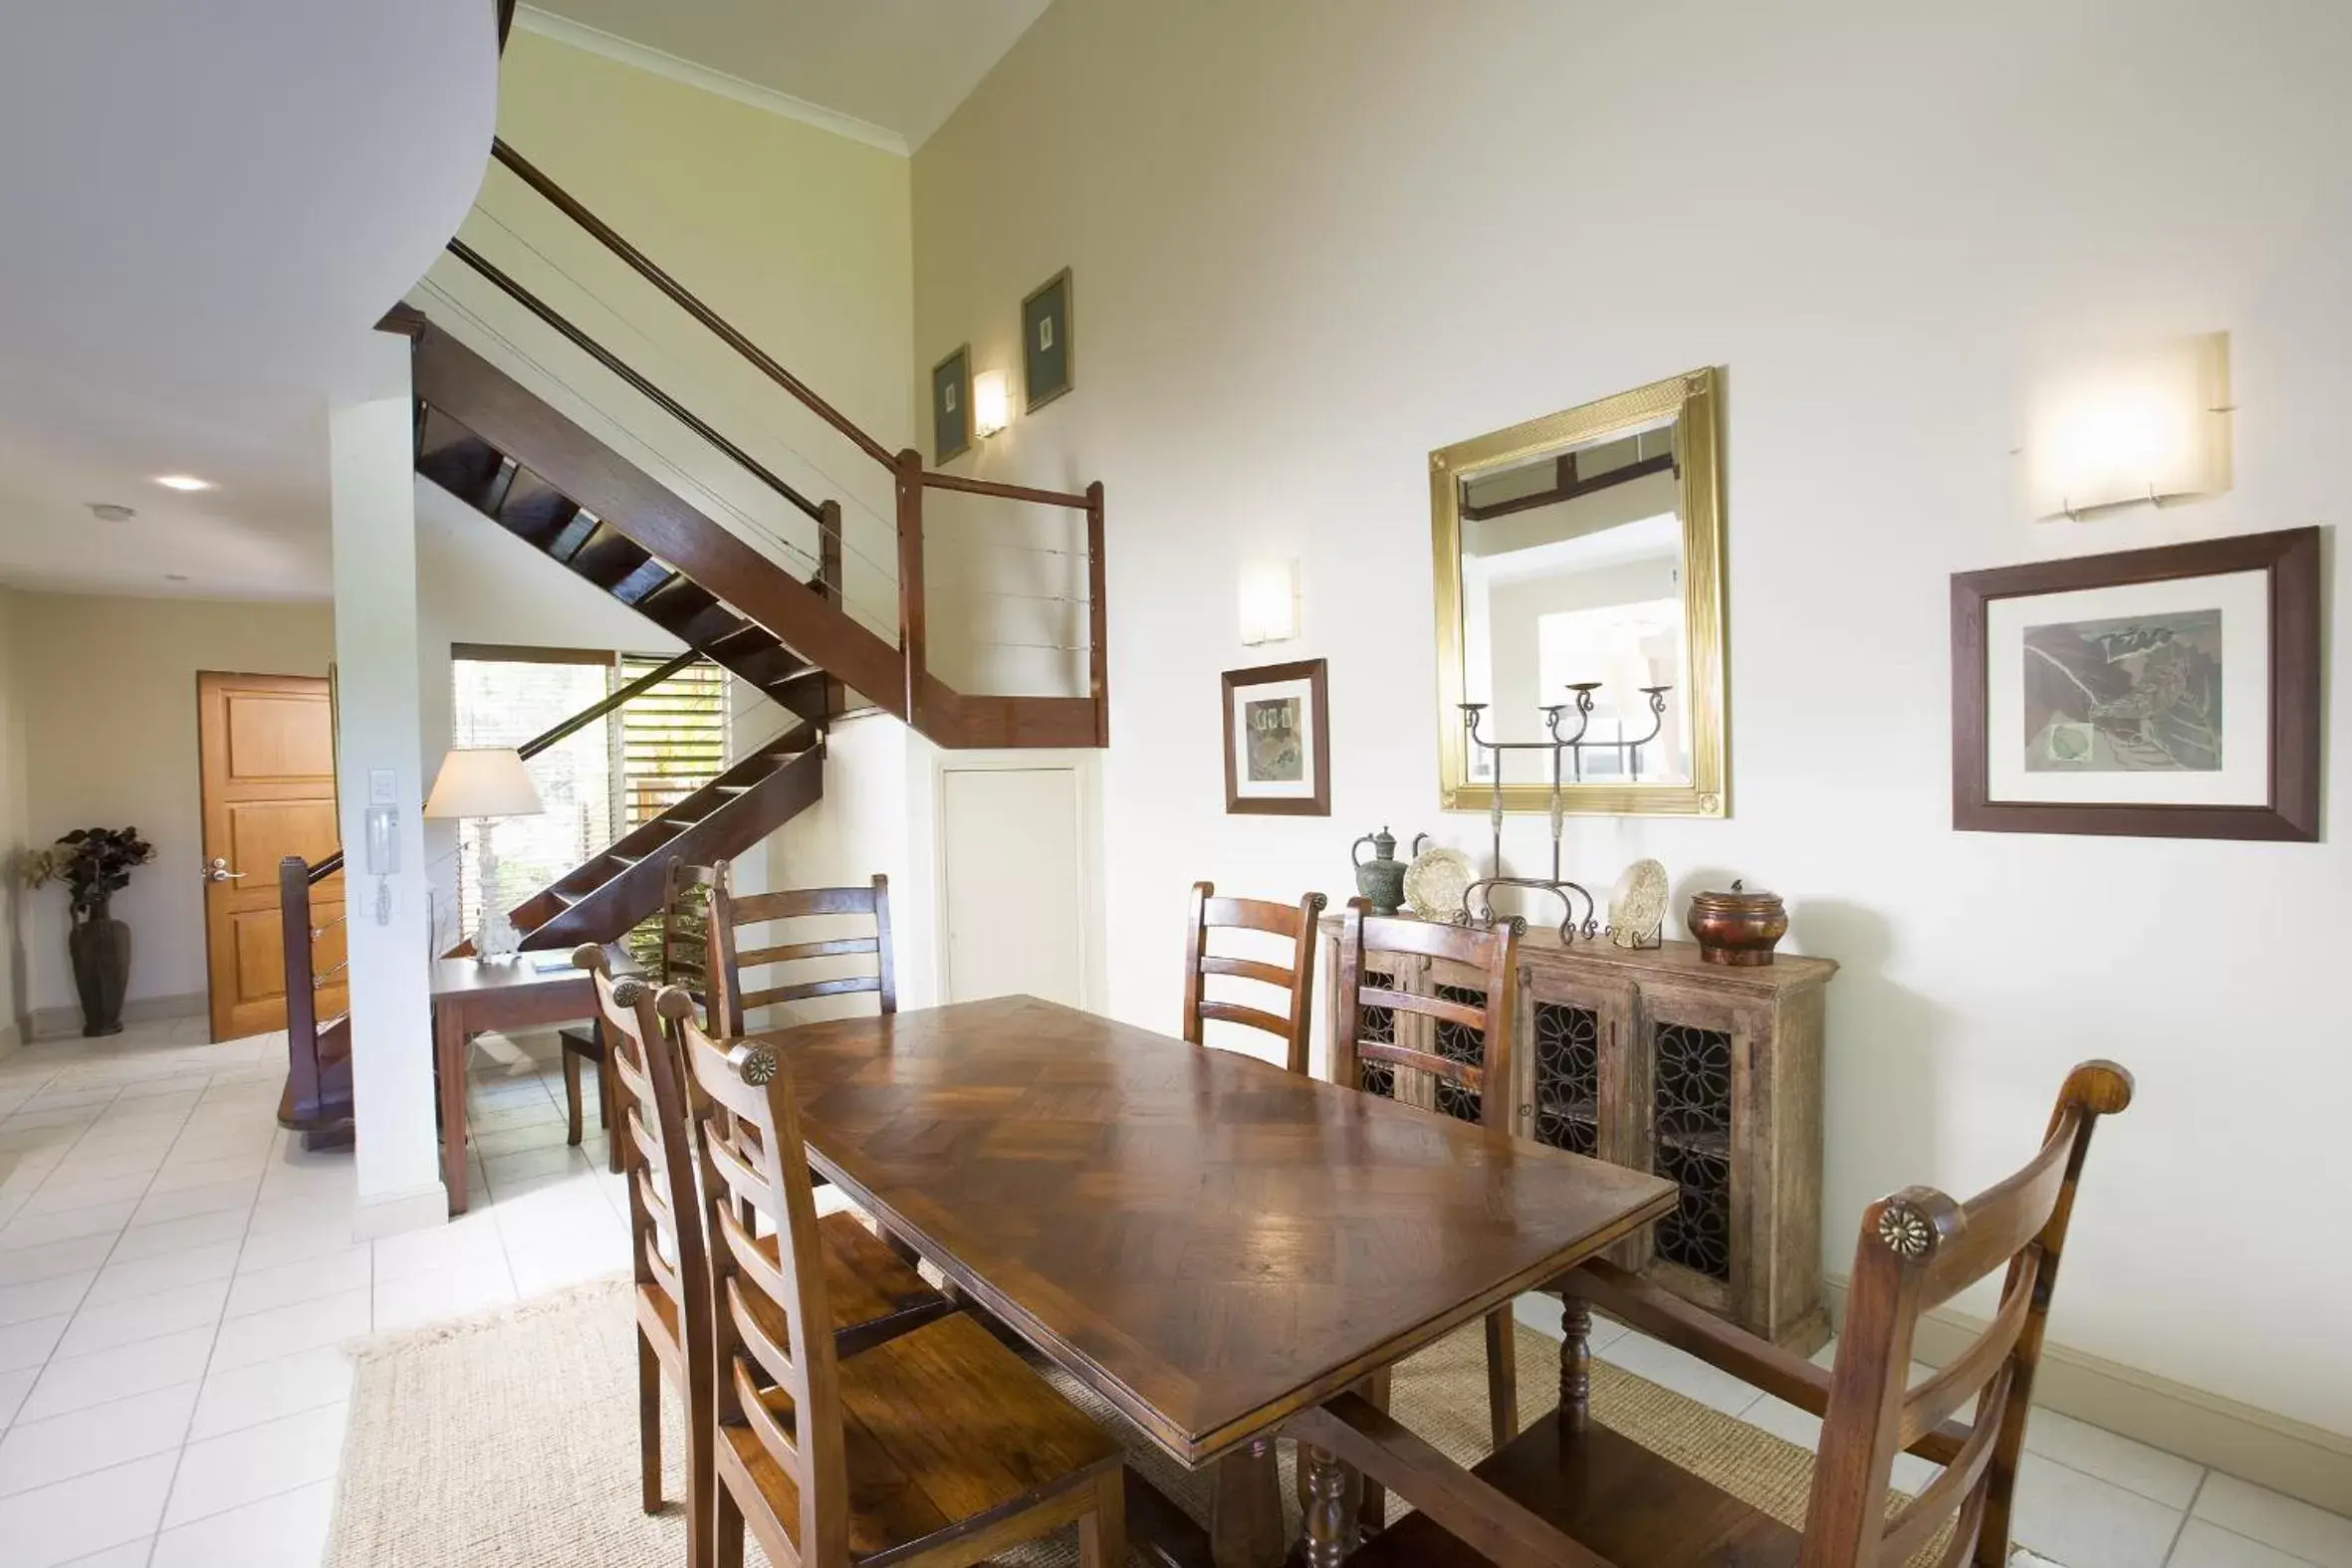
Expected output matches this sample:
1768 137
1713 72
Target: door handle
218 870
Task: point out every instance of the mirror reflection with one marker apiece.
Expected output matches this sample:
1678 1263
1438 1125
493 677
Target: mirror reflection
1572 590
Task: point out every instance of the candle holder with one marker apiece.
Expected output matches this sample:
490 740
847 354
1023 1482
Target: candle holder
1567 762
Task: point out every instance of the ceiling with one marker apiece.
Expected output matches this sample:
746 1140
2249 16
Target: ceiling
208 207
899 65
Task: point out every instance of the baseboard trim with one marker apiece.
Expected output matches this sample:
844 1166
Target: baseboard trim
392 1214
52 1023
2258 1446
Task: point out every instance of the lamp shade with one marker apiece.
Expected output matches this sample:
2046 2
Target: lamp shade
483 780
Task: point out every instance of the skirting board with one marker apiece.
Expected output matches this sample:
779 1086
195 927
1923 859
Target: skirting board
393 1213
51 1023
2254 1445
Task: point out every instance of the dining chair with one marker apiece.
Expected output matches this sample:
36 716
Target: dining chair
1917 1249
874 1296
938 1447
730 956
1446 1047
678 958
1295 924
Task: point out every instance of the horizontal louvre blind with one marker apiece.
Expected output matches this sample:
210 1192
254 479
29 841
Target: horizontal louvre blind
505 702
673 738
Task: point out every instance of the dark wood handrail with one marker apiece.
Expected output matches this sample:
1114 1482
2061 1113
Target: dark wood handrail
539 743
302 1004
644 267
989 487
614 363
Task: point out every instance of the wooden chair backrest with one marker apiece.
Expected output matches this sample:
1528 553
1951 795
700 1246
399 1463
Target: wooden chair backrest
1295 924
1441 1076
666 1248
685 928
747 1117
729 958
1918 1249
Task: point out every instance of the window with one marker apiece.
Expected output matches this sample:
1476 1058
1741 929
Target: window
606 777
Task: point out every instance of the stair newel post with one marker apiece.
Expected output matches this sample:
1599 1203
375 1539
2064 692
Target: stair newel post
1097 630
909 470
830 586
301 999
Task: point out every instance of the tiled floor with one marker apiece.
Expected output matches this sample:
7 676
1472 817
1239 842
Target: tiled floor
176 1277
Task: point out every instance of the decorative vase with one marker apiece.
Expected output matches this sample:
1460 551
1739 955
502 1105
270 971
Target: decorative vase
1381 879
1738 928
100 950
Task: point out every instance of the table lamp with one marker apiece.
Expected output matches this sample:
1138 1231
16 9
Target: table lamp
483 782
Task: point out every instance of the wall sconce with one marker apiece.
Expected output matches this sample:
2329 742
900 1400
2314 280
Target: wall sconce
991 403
1270 601
2148 425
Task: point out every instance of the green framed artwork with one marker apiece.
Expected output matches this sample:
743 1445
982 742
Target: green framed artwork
951 405
1046 348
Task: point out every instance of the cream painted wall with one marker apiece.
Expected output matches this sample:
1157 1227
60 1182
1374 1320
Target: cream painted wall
105 700
15 898
1880 221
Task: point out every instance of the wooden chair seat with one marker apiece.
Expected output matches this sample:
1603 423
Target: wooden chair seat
1608 1494
874 1296
947 1432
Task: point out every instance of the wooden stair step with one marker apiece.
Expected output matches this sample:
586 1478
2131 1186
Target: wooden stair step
609 558
453 457
646 579
534 510
676 602
576 530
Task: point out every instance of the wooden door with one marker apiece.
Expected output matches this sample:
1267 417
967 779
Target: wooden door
267 750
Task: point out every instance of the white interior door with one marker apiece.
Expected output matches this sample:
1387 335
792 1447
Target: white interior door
1013 877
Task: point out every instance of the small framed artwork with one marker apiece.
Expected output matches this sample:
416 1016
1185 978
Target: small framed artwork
1045 348
951 405
1278 742
2168 692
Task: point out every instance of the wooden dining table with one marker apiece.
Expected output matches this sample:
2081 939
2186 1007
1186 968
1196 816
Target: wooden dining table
1213 1245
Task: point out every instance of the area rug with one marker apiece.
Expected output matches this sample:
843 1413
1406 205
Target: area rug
510 1441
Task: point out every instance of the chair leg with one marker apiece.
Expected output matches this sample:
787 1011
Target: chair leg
572 1096
726 1538
1372 1513
1576 1364
1102 1530
648 1424
1502 1376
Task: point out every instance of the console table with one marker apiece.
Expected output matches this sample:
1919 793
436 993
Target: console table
1707 1074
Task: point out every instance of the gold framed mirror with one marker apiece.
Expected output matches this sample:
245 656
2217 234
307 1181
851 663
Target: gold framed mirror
1581 568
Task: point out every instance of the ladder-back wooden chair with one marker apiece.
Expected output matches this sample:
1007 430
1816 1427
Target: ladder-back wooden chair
732 997
1918 1249
875 1296
1295 924
1421 1039
937 1447
684 960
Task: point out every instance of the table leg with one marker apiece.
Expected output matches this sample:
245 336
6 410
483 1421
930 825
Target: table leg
1330 1507
449 1048
1246 1509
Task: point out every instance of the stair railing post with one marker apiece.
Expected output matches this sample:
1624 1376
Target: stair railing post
911 642
1098 623
828 584
302 1001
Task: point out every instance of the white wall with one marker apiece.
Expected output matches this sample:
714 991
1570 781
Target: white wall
1880 220
103 723
15 897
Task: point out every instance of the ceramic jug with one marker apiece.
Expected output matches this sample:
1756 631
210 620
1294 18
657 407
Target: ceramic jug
1380 879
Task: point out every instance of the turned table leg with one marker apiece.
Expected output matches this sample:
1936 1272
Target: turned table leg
1330 1521
1576 1364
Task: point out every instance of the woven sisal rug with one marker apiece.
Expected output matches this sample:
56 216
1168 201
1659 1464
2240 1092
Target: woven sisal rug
510 1441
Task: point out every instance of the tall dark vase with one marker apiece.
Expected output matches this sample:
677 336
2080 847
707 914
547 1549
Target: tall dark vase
101 947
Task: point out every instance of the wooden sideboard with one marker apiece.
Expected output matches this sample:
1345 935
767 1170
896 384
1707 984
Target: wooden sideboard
1704 1073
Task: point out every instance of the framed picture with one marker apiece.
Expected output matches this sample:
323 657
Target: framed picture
1045 363
951 406
2168 692
1277 740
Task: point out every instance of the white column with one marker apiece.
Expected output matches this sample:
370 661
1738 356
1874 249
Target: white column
369 434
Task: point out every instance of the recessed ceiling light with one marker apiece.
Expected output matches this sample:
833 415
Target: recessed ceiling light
110 511
182 482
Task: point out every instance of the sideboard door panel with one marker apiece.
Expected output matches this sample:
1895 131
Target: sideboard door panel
1710 1082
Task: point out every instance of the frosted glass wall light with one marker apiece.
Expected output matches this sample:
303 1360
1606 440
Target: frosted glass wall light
2146 425
991 403
1270 601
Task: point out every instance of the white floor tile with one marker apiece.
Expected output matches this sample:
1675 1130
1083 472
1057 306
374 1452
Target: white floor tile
39 1452
2274 1519
88 1514
570 1261
40 1230
281 1331
285 1531
14 1386
212 1198
132 1554
469 1239
68 1190
58 1257
44 1297
78 1382
282 1285
30 1343
171 1311
178 1175
2165 1477
442 1294
2205 1545
2085 1522
1679 1371
171 1236
141 1276
320 1239
238 1467
268 1390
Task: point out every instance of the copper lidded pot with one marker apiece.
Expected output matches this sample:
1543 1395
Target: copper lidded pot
1739 926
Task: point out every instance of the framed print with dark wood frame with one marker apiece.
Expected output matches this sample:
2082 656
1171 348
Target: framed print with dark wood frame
1047 353
2166 693
1277 740
951 406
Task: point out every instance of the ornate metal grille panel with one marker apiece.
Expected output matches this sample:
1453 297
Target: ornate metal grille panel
1377 1025
1568 1077
1692 1116
1460 1042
